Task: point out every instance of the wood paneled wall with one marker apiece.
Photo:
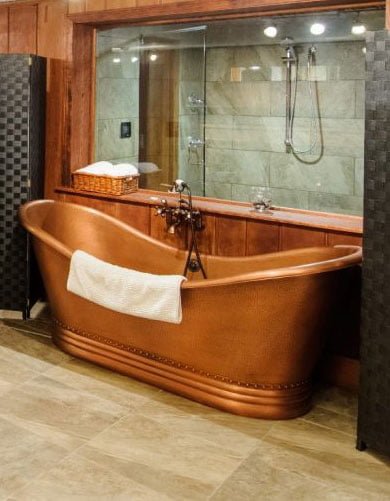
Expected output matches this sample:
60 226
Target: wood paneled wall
222 235
43 28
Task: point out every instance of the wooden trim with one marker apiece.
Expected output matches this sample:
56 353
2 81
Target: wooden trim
205 9
93 100
387 14
340 371
81 95
339 223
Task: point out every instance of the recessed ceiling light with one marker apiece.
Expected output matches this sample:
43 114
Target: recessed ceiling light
116 60
317 28
116 49
358 28
254 68
270 31
153 57
134 59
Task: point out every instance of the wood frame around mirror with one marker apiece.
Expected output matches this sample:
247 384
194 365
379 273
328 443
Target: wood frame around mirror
84 37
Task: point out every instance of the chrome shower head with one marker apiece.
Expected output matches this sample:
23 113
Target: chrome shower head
287 44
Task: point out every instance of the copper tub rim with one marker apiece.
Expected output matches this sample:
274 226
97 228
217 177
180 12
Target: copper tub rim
327 265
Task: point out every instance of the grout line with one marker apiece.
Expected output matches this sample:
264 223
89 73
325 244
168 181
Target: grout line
232 473
66 456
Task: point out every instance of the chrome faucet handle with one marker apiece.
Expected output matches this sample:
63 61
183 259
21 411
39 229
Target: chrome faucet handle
261 200
195 142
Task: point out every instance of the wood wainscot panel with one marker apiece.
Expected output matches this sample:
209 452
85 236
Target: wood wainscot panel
295 237
23 29
76 6
105 206
91 5
144 3
120 4
338 238
261 237
158 230
82 101
206 237
55 43
230 236
135 215
4 30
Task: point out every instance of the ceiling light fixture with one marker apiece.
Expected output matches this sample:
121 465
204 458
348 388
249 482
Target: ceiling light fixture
116 60
317 29
254 68
134 59
358 27
153 57
270 31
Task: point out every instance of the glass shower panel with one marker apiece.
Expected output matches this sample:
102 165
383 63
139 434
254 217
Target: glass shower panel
171 139
150 103
117 96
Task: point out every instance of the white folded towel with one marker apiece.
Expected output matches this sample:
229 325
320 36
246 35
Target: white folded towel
156 297
104 168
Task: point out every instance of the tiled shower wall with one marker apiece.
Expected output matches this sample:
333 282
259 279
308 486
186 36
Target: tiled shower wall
245 126
117 100
191 118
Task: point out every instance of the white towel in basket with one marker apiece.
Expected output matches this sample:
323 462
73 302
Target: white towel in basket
104 168
156 297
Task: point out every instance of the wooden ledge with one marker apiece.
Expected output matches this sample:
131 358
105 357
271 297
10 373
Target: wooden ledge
162 13
296 217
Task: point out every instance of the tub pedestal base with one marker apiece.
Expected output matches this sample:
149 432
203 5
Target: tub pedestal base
279 401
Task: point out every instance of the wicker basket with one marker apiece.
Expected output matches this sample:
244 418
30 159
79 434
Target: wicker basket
111 185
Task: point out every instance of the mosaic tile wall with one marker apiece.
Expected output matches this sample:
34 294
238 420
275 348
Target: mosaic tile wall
245 126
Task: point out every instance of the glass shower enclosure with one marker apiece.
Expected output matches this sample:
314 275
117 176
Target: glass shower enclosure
156 79
231 110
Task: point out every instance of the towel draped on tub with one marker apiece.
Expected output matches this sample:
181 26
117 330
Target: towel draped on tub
156 297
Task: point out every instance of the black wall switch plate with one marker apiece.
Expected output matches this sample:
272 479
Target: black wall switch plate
125 129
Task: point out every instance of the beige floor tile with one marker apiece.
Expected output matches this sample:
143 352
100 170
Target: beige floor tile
102 383
168 404
167 483
257 479
325 455
237 434
53 408
15 372
33 352
345 423
160 446
137 442
43 327
78 478
5 386
337 400
24 456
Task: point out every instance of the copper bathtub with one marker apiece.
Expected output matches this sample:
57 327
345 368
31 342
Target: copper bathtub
251 333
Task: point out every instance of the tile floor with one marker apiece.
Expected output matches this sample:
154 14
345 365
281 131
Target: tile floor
73 431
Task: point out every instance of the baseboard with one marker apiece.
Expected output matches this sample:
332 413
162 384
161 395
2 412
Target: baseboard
340 371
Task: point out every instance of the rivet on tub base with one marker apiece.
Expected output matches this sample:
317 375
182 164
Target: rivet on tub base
279 401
